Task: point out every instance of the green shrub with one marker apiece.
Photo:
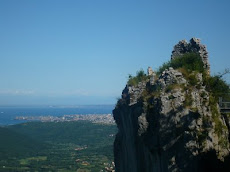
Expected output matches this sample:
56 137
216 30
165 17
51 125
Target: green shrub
172 87
163 67
217 86
189 61
134 80
219 127
189 65
188 100
192 62
192 79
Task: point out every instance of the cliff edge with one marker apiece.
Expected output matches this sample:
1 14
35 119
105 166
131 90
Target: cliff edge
170 120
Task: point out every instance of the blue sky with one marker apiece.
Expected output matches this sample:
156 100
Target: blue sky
81 51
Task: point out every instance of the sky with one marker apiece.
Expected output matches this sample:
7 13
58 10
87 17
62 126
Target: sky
79 52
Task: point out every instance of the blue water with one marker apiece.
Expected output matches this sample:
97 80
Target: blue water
8 114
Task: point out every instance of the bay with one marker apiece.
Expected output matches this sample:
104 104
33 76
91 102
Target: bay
9 113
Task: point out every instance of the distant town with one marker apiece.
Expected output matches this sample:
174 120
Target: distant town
94 118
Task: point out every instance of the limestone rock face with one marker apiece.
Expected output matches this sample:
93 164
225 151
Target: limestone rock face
168 124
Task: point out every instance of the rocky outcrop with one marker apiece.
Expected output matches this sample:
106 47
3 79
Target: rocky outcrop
194 46
167 123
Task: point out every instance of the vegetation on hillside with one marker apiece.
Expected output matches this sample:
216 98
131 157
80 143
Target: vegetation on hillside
134 80
69 146
217 86
16 144
189 61
189 65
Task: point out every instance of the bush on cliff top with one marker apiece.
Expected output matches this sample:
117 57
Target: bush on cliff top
134 80
217 86
189 61
187 64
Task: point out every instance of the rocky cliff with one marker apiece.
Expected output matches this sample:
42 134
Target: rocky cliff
171 121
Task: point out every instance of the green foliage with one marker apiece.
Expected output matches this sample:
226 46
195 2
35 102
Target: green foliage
202 137
61 139
188 100
213 104
217 86
219 127
192 79
172 87
163 67
190 64
189 61
134 80
223 142
14 143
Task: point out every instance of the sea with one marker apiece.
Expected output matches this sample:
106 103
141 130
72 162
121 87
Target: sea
9 113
